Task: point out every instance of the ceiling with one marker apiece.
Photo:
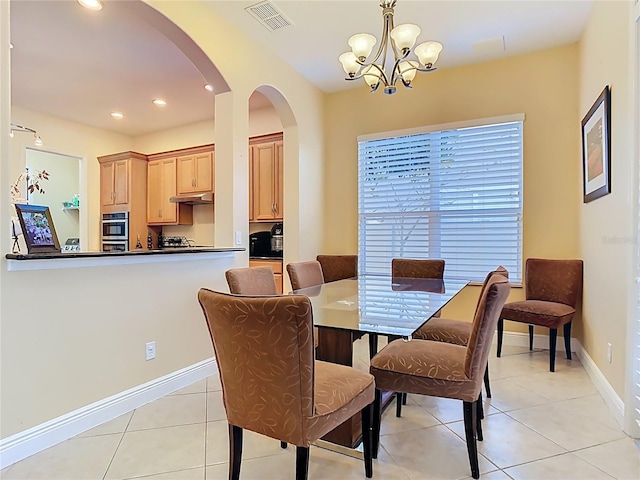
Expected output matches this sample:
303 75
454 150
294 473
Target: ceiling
81 65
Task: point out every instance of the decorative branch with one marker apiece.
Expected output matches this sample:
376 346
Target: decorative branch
32 179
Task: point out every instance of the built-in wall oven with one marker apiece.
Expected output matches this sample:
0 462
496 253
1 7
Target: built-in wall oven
115 232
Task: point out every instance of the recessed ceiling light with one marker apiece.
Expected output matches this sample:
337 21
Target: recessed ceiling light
91 4
159 102
117 115
208 87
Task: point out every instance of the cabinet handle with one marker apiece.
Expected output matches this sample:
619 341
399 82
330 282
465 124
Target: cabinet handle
193 182
160 213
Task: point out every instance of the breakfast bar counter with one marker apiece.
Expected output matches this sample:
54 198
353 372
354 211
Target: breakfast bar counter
52 260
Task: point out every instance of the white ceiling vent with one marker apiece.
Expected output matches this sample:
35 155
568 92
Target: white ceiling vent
268 15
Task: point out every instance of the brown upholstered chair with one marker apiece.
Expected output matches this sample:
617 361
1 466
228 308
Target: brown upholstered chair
552 289
456 331
409 268
305 274
271 383
251 281
338 267
441 369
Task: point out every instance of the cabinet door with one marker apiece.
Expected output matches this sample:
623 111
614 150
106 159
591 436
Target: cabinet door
169 210
186 174
263 167
106 183
203 178
154 192
278 181
121 182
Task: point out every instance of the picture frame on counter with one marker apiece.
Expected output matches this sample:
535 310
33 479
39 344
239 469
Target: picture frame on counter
37 228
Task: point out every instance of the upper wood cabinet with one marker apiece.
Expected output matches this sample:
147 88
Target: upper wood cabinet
195 173
161 187
266 179
121 175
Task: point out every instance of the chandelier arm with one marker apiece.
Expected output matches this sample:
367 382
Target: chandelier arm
396 69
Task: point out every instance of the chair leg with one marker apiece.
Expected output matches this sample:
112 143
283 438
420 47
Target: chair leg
302 463
553 336
487 386
404 398
373 344
375 430
500 331
398 404
479 417
567 339
366 440
283 444
530 337
235 451
469 411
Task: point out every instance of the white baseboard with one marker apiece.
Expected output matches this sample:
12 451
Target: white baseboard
611 398
31 441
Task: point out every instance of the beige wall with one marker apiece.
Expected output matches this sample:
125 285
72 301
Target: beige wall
607 224
541 85
90 348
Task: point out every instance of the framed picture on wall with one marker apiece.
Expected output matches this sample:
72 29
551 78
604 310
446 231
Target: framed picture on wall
596 148
37 228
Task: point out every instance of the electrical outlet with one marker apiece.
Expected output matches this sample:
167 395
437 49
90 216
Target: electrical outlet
609 352
151 350
238 238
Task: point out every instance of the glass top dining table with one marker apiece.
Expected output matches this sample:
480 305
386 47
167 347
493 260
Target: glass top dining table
380 304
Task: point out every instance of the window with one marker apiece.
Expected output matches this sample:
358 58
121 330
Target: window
450 191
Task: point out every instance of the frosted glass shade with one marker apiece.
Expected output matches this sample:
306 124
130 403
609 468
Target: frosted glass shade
408 70
349 63
371 75
428 52
405 35
361 45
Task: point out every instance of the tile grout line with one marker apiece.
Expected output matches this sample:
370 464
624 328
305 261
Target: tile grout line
118 446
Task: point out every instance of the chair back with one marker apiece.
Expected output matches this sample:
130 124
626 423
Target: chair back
305 274
338 267
499 271
251 281
485 320
558 281
413 268
265 355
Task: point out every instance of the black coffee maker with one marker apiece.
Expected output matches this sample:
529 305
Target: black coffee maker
277 239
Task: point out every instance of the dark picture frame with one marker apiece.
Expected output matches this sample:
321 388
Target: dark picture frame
596 148
37 228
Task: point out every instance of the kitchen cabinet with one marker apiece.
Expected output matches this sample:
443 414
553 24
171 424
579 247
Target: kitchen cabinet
266 179
276 266
123 188
195 173
162 175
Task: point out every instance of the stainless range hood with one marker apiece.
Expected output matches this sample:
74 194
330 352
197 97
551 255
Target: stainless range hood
195 199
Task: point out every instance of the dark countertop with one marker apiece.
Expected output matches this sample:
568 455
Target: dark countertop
167 251
279 259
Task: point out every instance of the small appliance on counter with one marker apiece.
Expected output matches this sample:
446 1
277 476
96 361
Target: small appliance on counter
277 238
260 244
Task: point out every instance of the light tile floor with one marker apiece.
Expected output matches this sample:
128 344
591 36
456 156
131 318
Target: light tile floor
538 425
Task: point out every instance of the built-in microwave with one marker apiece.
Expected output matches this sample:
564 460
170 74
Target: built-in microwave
115 226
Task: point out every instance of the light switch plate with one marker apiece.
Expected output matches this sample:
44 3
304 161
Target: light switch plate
238 238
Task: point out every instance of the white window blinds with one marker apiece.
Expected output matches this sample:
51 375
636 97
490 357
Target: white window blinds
454 193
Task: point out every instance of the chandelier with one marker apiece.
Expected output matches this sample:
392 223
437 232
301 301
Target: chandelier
401 39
